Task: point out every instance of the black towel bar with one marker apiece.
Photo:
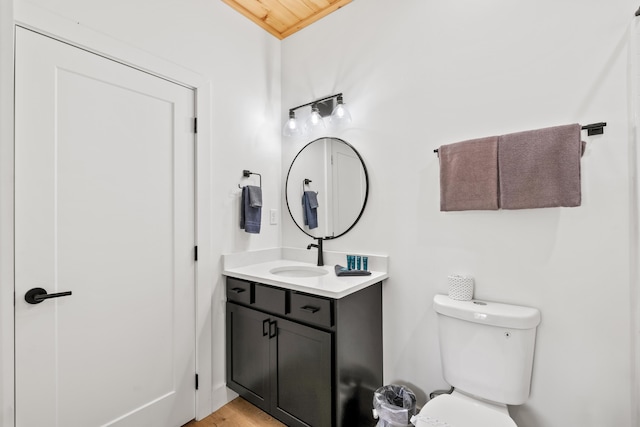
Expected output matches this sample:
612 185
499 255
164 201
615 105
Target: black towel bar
592 129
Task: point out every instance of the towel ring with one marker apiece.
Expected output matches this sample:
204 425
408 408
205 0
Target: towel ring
247 173
306 181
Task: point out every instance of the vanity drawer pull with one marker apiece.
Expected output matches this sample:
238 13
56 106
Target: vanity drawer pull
265 327
310 309
239 290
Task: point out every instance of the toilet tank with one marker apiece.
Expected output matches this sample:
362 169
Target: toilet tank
487 348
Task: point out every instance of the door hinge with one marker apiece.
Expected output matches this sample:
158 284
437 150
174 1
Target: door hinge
195 253
196 381
195 125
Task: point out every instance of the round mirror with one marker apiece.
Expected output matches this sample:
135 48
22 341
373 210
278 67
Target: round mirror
327 188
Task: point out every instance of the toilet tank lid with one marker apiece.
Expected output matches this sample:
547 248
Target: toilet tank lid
488 313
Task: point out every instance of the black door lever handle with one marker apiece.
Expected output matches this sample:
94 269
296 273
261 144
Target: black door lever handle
37 295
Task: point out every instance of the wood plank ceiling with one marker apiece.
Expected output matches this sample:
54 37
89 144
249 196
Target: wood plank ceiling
284 17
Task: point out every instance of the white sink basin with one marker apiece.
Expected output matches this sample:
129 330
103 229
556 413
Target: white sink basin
298 271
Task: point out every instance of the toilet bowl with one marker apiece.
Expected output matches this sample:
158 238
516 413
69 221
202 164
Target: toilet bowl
459 410
486 350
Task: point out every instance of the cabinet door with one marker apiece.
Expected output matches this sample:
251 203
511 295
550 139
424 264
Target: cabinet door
248 354
301 366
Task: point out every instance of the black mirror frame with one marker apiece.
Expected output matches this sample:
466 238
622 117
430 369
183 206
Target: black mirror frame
366 195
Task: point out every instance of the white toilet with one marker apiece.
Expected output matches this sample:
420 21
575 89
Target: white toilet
487 356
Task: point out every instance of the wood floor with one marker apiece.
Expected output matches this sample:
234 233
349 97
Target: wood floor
237 413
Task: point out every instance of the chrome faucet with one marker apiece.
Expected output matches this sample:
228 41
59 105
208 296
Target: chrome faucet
319 246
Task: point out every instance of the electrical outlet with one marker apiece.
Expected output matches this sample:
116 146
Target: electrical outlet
273 216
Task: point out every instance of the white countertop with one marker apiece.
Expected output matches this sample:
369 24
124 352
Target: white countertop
256 266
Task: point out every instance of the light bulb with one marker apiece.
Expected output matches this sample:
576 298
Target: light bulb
314 122
340 115
291 127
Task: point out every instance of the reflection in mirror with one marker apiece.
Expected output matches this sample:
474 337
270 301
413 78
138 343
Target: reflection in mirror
333 174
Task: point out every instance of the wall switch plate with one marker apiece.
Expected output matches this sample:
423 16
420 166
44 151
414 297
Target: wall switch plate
273 216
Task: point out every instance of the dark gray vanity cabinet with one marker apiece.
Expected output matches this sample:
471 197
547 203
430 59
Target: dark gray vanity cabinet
262 347
306 360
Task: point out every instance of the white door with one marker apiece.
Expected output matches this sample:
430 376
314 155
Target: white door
104 188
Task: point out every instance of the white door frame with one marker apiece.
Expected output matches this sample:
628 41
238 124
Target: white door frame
634 232
44 22
6 215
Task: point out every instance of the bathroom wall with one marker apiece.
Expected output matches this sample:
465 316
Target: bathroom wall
417 75
242 62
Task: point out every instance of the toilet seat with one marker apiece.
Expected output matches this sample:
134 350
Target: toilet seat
454 410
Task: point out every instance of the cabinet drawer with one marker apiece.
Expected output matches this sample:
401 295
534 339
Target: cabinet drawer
270 299
238 290
312 309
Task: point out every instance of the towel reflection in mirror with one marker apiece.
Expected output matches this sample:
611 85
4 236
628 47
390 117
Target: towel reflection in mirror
310 209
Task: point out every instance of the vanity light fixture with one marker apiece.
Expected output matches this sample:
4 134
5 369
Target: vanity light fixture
332 106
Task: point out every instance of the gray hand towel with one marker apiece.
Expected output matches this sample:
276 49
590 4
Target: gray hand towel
469 175
313 199
343 271
255 196
250 217
540 168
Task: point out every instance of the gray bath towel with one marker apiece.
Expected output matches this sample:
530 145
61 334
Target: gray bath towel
469 175
540 168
